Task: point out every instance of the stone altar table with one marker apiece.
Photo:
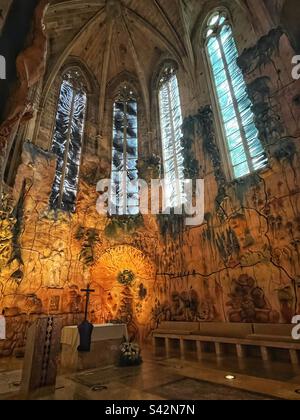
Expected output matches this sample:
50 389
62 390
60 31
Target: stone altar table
106 340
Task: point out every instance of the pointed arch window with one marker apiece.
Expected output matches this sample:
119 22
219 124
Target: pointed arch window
242 138
67 139
125 197
171 135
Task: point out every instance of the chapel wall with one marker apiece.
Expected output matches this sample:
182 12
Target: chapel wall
240 265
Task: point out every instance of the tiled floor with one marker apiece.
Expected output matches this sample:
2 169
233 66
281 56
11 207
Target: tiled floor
10 377
161 378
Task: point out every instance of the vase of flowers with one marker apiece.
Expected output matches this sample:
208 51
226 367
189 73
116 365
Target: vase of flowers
130 354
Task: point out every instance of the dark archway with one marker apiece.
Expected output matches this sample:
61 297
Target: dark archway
12 42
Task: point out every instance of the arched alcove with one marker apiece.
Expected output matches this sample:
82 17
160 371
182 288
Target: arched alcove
123 279
45 122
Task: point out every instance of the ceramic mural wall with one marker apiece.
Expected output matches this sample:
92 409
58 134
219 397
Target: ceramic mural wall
241 265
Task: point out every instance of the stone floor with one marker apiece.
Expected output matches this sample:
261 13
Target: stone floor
162 378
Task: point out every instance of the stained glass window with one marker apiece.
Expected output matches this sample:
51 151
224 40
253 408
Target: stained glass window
245 149
67 140
125 190
171 133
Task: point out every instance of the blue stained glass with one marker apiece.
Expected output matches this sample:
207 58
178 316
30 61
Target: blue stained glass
245 149
220 77
228 113
222 90
238 155
234 140
241 170
131 164
231 126
222 20
225 97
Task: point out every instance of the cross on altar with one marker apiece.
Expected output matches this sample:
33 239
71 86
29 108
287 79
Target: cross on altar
86 328
88 292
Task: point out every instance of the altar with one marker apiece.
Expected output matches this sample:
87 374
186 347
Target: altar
106 341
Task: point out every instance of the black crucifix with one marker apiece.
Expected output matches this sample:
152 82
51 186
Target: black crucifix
86 328
88 292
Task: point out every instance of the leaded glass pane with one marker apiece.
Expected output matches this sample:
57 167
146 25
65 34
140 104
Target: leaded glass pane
171 123
245 149
125 153
214 19
67 141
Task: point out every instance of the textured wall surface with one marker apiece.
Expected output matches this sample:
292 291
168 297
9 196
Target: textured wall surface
241 265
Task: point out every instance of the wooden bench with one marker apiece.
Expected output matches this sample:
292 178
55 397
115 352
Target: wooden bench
169 331
242 337
223 333
276 336
184 328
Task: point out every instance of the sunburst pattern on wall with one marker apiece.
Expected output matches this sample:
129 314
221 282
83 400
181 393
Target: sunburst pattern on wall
128 302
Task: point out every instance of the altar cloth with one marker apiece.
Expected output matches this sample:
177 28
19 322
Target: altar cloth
105 344
70 335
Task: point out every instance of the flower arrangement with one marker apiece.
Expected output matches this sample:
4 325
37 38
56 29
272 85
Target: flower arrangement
130 354
126 278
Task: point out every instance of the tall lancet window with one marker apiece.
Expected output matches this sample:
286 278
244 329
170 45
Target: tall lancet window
242 138
67 140
171 134
125 190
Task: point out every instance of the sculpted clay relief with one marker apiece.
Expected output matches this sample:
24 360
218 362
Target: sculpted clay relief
240 263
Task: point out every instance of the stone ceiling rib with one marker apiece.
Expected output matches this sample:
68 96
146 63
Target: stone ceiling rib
59 62
104 35
58 5
169 24
146 24
139 68
187 38
105 67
